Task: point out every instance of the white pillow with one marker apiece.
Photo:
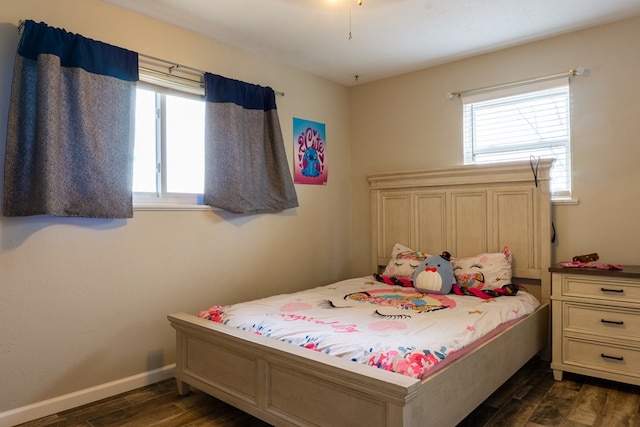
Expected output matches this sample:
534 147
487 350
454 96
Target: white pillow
403 262
484 271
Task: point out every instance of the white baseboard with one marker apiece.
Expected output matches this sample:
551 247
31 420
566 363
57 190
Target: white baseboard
82 397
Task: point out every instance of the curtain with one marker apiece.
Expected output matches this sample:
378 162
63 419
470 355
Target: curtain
246 169
71 130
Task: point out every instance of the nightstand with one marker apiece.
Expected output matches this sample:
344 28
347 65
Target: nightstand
596 322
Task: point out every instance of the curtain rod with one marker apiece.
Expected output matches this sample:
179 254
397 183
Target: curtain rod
572 72
170 66
173 67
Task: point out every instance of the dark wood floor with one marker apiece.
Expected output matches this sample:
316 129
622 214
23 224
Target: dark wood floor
530 398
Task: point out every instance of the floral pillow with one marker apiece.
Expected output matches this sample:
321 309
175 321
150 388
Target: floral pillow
403 262
484 271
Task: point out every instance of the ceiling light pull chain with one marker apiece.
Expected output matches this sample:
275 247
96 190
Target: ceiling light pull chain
350 37
359 4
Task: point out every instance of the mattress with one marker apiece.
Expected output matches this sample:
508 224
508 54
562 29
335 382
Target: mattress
398 329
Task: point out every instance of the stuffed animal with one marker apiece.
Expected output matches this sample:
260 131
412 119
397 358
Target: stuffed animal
434 275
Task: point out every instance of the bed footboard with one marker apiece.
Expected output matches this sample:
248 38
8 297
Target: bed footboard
286 385
282 384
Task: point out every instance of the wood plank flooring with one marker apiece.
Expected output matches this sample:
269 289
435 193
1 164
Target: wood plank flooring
531 398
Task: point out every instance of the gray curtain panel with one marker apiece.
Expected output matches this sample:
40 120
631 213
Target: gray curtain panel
71 127
246 169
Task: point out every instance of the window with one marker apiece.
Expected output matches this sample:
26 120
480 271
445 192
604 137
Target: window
169 147
517 123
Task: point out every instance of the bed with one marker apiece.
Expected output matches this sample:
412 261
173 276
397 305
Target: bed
466 210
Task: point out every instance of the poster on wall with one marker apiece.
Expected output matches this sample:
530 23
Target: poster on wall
309 145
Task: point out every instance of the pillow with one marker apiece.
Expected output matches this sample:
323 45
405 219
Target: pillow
484 271
403 262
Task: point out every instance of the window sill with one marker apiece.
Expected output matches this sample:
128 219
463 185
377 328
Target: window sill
565 202
170 207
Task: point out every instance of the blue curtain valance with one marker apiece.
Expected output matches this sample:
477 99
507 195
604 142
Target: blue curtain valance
249 96
77 51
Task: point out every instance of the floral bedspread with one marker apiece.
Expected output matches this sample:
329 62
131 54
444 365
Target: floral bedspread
394 328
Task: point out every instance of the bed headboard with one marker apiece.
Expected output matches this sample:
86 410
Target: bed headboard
468 210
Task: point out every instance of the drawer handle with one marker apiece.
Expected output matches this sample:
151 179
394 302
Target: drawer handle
606 356
614 322
612 290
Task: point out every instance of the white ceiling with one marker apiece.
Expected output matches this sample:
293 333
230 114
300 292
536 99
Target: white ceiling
389 37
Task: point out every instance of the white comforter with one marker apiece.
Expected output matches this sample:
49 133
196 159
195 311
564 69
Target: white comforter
393 328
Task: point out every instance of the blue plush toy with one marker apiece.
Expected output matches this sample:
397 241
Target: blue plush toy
434 275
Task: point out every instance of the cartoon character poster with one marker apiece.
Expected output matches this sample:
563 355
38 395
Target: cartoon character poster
310 143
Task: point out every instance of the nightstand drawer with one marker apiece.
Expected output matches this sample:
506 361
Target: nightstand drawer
603 357
603 289
605 321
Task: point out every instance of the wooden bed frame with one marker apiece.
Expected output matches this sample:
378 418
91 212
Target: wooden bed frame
466 210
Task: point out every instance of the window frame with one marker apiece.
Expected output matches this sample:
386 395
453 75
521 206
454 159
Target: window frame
163 85
509 93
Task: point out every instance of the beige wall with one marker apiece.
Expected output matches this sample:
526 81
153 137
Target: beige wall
407 122
84 301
